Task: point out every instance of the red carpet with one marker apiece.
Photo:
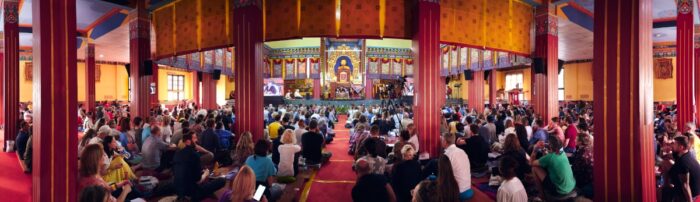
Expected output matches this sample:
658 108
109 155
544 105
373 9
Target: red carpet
15 185
335 180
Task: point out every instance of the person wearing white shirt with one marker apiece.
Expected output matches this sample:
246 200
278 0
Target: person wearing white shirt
414 137
297 95
528 128
460 166
512 189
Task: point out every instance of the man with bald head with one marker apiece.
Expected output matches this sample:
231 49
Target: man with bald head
371 187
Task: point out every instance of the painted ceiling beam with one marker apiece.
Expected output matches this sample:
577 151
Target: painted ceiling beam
24 28
123 4
158 4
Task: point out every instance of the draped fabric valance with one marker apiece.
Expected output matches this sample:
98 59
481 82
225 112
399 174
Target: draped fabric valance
186 26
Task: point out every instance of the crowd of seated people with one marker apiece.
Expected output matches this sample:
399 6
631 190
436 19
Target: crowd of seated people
677 157
177 147
509 145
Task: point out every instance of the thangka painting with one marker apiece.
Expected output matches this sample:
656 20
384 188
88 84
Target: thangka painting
488 59
463 58
208 60
386 68
663 68
397 64
98 73
220 58
503 59
301 68
195 61
266 68
315 66
454 66
445 61
409 67
180 61
373 69
28 71
229 62
277 68
289 69
474 59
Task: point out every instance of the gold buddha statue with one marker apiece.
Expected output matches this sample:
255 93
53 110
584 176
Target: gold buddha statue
344 72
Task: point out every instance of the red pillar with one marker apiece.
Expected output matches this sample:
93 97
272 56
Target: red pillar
11 79
369 89
55 157
685 71
247 19
430 87
195 87
623 150
545 86
208 91
139 52
90 75
317 89
492 89
476 91
697 84
2 88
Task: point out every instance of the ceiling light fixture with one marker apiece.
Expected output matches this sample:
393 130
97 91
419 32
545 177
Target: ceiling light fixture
101 56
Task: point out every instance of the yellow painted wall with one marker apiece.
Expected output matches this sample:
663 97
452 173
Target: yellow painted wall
163 83
113 84
578 81
106 89
221 94
665 89
230 86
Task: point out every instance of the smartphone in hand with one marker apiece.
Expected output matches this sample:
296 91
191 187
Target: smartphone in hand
259 193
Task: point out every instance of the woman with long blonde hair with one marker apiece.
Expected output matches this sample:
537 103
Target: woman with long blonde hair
243 186
244 148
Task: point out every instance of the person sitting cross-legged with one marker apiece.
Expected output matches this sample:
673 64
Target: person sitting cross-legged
512 189
153 151
553 169
91 159
288 157
243 186
377 164
406 173
371 186
460 166
379 146
312 145
189 177
263 166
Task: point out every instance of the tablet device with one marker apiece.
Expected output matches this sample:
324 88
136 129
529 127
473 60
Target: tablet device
259 193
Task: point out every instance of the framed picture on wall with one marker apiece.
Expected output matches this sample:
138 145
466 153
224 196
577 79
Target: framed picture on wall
98 73
28 71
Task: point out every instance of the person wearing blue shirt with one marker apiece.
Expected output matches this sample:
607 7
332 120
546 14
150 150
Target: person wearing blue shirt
225 137
262 165
540 134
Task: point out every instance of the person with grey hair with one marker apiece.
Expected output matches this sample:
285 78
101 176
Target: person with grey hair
405 174
371 187
460 165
